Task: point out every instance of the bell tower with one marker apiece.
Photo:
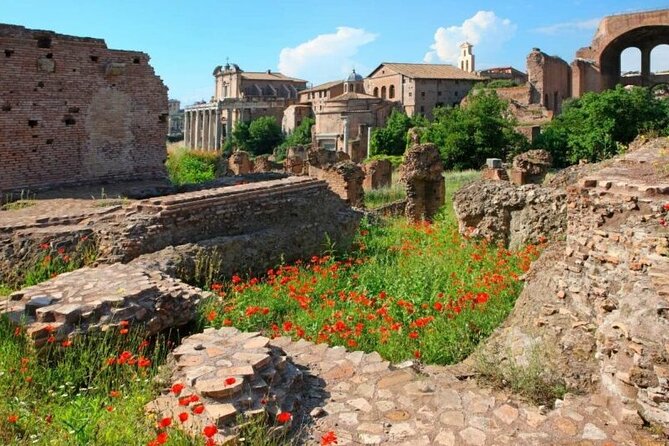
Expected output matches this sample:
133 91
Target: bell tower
467 57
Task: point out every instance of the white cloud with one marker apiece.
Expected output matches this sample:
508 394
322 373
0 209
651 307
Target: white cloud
558 28
326 56
484 28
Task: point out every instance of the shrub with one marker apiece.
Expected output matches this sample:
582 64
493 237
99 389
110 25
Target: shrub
187 167
300 137
482 129
258 137
598 126
391 140
395 160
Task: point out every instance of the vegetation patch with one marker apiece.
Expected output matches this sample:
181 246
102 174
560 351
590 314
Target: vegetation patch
189 167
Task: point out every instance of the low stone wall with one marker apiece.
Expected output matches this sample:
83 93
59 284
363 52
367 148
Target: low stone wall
300 212
378 174
344 178
98 299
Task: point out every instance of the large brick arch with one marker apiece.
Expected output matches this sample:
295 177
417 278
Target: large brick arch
597 67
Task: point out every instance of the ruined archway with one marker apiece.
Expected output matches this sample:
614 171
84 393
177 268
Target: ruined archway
598 66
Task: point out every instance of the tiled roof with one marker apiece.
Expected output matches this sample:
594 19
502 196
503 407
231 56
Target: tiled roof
352 95
265 76
324 86
429 71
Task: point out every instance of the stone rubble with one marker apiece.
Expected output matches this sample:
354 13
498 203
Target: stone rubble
97 299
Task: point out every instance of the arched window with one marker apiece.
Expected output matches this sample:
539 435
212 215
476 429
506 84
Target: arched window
391 92
376 91
630 62
659 59
383 92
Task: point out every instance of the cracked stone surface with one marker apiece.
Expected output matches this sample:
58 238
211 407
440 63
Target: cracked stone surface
366 400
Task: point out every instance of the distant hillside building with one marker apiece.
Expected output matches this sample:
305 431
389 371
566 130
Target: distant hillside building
505 73
419 88
238 96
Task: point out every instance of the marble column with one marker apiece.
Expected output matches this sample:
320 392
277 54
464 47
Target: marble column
217 141
186 129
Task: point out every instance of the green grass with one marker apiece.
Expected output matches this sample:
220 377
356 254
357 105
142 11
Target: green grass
189 167
380 197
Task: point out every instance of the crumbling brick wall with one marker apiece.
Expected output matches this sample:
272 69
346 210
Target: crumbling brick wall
344 178
550 80
73 111
422 174
378 174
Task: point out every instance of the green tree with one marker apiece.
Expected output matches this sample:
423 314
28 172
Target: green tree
598 126
391 139
482 129
241 136
260 136
264 135
300 136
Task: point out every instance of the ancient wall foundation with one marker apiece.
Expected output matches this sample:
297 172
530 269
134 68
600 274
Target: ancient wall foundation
73 111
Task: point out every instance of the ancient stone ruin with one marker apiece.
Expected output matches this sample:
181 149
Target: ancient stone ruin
378 174
514 215
531 167
73 111
97 299
233 374
344 177
600 297
421 173
240 163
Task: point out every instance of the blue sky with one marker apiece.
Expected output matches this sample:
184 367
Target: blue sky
322 40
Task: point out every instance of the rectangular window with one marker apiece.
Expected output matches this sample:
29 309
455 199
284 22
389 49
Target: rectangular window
422 109
422 94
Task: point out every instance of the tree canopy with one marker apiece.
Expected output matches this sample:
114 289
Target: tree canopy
467 135
392 139
258 137
598 126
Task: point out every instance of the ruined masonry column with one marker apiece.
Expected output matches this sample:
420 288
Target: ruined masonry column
197 130
205 133
645 66
228 123
210 130
186 129
217 142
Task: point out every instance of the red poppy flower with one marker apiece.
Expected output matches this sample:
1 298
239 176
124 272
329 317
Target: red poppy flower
124 331
109 408
177 388
124 323
51 339
284 417
210 442
210 431
143 362
165 422
114 394
211 315
161 438
329 438
230 381
183 417
66 343
197 410
413 335
416 354
666 206
12 419
185 401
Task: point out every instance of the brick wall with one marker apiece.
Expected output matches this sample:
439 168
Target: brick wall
73 111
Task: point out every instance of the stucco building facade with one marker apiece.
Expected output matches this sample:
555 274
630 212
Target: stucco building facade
419 88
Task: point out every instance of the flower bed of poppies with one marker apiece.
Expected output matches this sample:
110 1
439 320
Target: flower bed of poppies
407 291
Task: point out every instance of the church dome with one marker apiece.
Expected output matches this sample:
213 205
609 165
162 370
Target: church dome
354 77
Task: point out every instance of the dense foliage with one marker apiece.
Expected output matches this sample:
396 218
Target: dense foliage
481 129
187 167
301 136
392 139
597 126
258 137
